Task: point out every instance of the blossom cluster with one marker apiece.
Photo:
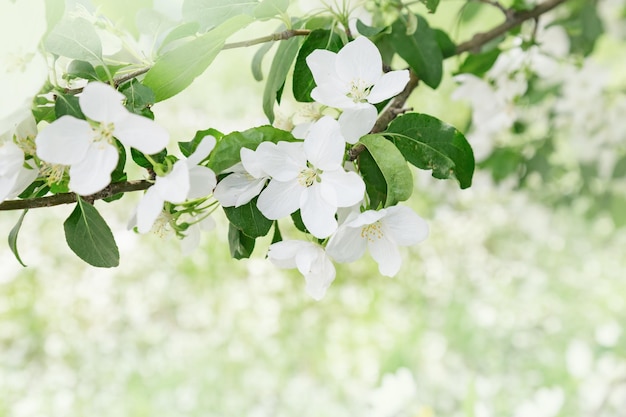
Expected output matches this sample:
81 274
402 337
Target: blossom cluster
314 177
310 176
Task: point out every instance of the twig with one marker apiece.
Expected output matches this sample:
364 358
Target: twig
68 198
478 40
508 13
280 36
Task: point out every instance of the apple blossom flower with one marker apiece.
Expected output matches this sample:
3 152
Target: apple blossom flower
88 147
309 176
353 80
186 180
192 235
310 259
245 182
380 231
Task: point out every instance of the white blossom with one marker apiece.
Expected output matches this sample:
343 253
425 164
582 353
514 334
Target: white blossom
310 259
88 147
353 80
245 182
309 176
381 232
186 180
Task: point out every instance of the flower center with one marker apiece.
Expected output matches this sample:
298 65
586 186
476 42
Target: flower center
104 133
372 232
52 172
307 177
359 90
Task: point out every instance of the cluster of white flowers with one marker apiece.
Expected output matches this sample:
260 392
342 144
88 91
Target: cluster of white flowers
313 176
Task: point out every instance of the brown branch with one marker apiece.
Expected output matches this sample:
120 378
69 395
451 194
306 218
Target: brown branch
68 198
473 45
517 18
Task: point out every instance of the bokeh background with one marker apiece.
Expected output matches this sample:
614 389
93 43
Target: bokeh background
514 306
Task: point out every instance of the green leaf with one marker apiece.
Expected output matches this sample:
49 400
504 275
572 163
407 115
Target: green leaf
270 8
241 246
67 104
179 32
249 219
385 172
296 217
211 13
431 5
277 236
227 150
81 69
89 236
138 96
76 39
429 143
257 60
187 148
140 159
54 13
303 82
420 50
285 54
366 30
177 68
479 64
13 237
448 48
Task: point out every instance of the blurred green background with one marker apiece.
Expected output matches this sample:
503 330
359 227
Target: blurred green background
514 306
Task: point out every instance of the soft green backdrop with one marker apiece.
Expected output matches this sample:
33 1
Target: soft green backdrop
512 307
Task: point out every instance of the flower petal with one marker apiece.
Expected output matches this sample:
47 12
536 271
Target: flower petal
283 254
359 59
203 150
322 65
237 189
102 103
24 178
346 245
389 85
11 158
141 133
357 122
202 181
250 163
317 268
282 161
348 187
174 187
93 172
333 94
317 214
386 254
65 141
404 226
324 146
280 199
148 210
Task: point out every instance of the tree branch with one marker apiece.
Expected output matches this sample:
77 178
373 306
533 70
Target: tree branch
279 36
517 18
473 45
68 198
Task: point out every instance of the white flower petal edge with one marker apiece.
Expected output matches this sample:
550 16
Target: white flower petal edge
310 259
382 232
